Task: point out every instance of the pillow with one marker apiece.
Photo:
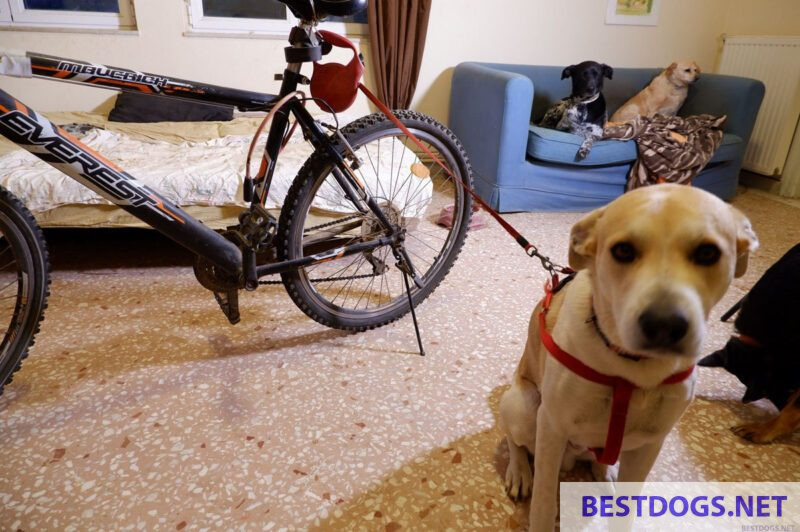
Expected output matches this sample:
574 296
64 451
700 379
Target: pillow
133 107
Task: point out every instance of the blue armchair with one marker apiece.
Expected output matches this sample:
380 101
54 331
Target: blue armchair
522 167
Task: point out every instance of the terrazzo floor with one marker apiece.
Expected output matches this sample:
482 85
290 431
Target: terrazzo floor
140 408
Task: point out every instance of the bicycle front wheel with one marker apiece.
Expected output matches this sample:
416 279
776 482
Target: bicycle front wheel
24 283
366 290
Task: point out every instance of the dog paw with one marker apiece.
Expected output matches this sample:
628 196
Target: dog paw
518 481
604 473
754 432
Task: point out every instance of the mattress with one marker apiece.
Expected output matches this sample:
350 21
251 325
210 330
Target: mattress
197 165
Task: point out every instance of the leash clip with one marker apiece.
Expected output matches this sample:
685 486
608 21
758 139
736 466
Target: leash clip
547 264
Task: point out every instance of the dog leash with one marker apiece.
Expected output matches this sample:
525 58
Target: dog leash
530 249
623 388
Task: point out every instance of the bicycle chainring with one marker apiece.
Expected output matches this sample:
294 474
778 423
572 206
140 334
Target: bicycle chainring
214 278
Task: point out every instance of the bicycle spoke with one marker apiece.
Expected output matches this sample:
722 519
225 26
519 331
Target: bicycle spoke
423 242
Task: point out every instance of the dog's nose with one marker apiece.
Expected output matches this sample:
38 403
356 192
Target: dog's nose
663 328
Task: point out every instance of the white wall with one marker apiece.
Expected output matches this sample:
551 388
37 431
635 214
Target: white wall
555 32
762 17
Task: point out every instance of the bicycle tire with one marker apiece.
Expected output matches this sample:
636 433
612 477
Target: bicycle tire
310 179
24 243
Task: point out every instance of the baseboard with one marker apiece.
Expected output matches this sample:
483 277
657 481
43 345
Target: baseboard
760 182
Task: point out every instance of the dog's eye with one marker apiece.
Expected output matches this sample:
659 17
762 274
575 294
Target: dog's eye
706 254
687 70
623 252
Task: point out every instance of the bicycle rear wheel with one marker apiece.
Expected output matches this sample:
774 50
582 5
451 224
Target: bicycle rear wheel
24 283
366 290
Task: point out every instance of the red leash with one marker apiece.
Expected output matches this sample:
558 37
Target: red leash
529 248
338 85
623 389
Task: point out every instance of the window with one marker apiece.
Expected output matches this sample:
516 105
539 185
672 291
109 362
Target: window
230 16
356 25
101 14
260 17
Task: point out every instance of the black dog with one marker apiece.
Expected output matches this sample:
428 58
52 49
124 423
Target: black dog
765 357
584 111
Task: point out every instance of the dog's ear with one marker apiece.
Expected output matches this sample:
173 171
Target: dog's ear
670 69
746 241
607 71
567 72
582 240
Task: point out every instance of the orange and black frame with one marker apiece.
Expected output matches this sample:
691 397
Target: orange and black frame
97 75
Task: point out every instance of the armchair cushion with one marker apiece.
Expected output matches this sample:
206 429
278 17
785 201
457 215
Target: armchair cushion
555 146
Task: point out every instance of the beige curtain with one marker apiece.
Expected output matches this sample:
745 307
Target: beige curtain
397 30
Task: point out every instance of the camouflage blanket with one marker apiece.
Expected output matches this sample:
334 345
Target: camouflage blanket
672 149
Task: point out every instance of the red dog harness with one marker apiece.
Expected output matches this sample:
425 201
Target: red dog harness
623 389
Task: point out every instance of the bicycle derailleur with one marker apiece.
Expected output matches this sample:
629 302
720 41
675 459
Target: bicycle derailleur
254 236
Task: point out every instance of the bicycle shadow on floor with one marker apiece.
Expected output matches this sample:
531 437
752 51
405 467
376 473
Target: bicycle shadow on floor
457 487
90 249
107 339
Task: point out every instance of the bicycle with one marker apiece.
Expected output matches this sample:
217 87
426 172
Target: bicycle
343 222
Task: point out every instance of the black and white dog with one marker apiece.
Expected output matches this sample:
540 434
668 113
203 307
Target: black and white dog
584 111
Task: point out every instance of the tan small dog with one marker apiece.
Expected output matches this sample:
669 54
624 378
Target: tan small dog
651 266
665 94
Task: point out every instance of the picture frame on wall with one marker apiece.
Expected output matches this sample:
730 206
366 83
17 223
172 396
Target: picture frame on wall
633 12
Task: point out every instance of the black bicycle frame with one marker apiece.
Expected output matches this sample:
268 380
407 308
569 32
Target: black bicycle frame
35 133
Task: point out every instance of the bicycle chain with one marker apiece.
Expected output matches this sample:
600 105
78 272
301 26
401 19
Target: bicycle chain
328 224
326 279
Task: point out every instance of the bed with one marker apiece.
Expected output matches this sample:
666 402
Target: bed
197 165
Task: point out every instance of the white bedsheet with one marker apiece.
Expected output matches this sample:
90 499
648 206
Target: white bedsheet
205 173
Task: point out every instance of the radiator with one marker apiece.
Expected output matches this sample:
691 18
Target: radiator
776 62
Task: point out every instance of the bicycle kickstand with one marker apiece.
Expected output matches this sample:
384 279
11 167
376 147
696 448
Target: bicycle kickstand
413 313
404 265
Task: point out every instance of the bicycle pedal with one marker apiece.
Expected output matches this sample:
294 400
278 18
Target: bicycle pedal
229 304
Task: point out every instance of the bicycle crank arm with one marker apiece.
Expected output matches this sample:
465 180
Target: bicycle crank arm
289 265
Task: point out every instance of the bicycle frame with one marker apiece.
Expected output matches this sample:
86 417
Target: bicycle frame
33 132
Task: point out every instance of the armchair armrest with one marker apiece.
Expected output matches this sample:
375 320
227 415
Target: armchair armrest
738 98
490 112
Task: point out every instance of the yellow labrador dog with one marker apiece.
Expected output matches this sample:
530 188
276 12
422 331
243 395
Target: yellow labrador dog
664 95
651 265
